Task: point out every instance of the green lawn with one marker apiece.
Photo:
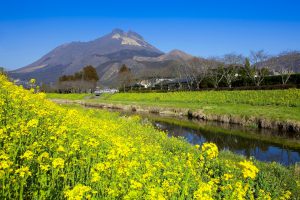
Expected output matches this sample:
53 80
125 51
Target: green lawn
270 104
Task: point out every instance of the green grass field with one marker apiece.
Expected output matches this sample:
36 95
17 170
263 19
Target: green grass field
271 104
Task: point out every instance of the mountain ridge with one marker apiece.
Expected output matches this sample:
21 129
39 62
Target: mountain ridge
105 53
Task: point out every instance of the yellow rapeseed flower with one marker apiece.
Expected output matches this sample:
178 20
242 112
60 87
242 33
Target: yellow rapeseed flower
249 170
227 176
204 192
58 163
209 150
44 167
28 155
77 193
60 149
23 171
136 185
32 123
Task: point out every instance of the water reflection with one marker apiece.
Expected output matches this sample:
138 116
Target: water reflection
261 150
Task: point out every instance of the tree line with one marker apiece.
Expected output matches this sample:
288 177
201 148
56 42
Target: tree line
232 67
249 71
82 81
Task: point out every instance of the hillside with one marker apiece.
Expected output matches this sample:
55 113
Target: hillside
106 53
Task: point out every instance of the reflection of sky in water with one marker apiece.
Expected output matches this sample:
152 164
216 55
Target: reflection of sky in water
260 150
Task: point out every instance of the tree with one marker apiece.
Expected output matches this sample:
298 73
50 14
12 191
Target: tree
179 74
188 75
216 72
82 81
197 70
125 76
284 64
244 71
89 73
233 63
260 68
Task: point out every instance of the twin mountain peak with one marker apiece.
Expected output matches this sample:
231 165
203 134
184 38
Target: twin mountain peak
106 54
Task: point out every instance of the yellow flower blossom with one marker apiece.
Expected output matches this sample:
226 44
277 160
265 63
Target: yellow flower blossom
44 167
262 195
78 192
286 195
136 185
240 191
28 155
43 156
95 177
58 163
32 123
23 171
249 170
210 150
204 192
227 177
60 149
5 164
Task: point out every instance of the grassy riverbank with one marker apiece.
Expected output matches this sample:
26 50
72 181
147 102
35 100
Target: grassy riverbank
277 105
51 152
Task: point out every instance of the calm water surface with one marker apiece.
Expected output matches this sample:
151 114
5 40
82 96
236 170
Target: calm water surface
261 150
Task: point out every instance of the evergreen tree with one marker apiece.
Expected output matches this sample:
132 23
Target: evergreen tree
90 73
124 76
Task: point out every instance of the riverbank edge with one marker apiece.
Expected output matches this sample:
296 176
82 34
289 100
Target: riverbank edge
260 122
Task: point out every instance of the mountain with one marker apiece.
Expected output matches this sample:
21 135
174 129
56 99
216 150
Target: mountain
285 60
172 55
106 53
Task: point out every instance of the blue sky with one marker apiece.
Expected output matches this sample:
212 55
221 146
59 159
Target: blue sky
29 29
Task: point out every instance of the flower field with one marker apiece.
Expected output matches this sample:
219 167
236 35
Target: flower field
290 97
53 152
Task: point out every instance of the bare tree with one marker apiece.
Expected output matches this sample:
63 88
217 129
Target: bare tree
260 68
232 62
285 74
188 75
197 71
216 71
284 64
179 75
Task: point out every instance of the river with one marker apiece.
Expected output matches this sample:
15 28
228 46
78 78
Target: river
263 145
